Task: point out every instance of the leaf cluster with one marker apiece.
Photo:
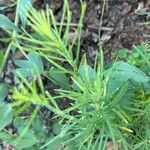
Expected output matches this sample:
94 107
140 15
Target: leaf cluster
105 103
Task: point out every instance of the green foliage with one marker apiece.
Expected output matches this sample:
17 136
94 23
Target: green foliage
125 71
123 53
3 92
103 104
24 6
28 93
1 58
59 78
133 56
48 41
29 138
33 66
6 115
136 59
6 24
26 142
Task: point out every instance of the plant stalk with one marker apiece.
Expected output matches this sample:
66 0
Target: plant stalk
13 38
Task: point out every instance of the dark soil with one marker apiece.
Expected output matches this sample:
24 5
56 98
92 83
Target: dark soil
121 24
120 16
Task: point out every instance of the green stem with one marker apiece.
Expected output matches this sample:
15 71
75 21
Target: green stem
24 131
13 37
5 58
79 30
41 85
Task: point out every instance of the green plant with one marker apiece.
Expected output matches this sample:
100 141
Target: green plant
139 57
104 104
133 56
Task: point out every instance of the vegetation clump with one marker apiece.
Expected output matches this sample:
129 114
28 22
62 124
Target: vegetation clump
105 103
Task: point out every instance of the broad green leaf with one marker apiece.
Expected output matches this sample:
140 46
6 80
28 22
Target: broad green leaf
19 123
24 7
6 115
31 67
57 128
27 141
30 139
37 124
124 71
1 58
59 78
56 144
6 24
121 73
6 137
120 92
87 73
38 128
128 99
3 92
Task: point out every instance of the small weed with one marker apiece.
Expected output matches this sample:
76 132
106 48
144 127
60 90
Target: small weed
133 56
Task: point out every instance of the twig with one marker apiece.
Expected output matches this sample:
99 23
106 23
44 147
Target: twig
89 26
